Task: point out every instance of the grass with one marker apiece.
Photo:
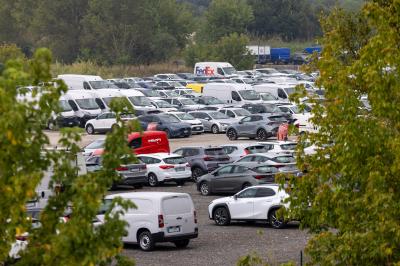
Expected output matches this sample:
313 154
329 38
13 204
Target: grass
117 71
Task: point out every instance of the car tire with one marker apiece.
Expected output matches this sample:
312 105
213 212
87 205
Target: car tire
196 173
146 241
182 243
180 182
221 216
168 133
274 221
262 134
232 134
90 129
214 129
153 180
204 188
246 185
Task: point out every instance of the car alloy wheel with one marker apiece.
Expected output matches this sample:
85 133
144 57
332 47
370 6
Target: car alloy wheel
215 129
90 129
153 181
146 241
276 222
204 189
196 173
232 135
262 134
221 216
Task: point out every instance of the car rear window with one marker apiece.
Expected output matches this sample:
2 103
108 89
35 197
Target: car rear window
285 159
266 169
291 146
257 149
175 160
277 118
176 205
215 151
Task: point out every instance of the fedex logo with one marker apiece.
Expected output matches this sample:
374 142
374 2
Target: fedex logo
207 71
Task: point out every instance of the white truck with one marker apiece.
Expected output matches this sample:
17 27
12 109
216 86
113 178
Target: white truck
232 93
222 69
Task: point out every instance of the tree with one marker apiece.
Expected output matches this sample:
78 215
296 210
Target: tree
350 197
23 161
224 17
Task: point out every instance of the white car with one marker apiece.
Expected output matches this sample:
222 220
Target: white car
163 106
239 150
166 167
282 147
105 122
256 203
158 217
196 125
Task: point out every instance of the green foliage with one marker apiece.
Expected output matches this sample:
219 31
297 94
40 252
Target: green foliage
24 160
230 49
10 51
224 17
350 197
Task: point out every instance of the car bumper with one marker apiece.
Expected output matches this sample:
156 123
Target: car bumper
133 180
197 129
176 176
72 121
160 237
183 132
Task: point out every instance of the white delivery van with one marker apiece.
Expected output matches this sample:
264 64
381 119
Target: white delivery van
282 91
84 105
232 93
138 100
159 217
214 69
85 82
103 97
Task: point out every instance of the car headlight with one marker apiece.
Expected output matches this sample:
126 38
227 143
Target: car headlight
224 125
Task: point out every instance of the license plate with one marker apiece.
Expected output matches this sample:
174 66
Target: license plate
198 128
180 169
134 170
174 229
186 131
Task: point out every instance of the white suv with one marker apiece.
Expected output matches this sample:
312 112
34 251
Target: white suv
257 203
165 167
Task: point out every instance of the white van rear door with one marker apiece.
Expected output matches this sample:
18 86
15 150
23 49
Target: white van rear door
178 212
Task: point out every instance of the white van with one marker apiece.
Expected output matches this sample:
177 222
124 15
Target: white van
85 82
84 105
232 93
159 217
103 97
214 69
282 91
138 100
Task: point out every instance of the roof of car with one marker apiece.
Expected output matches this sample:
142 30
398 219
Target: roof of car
160 155
147 195
279 142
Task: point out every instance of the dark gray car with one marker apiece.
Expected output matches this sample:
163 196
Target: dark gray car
262 127
227 179
203 160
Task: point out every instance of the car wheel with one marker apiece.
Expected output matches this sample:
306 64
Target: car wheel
168 133
262 134
182 243
221 216
153 181
232 134
146 241
90 129
196 173
246 185
180 182
275 221
215 129
204 189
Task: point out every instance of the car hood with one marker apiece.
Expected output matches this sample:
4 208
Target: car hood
222 200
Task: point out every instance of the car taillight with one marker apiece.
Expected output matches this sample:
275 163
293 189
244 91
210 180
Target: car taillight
195 217
258 177
297 125
122 168
160 221
207 158
246 151
143 167
166 166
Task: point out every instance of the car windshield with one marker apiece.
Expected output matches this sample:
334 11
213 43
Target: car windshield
171 94
64 105
97 144
175 160
140 101
187 102
268 97
215 151
284 159
242 112
212 100
249 95
290 146
229 70
151 93
185 116
102 84
87 104
218 115
163 104
175 84
108 100
272 108
167 118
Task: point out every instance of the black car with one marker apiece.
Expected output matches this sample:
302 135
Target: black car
167 123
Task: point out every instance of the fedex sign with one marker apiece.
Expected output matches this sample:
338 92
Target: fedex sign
206 71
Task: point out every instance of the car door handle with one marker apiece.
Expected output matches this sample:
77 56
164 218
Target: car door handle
179 218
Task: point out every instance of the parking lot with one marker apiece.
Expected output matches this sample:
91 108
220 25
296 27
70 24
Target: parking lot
215 245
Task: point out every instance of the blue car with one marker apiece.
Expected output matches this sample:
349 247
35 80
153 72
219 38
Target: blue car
167 123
